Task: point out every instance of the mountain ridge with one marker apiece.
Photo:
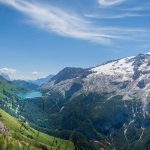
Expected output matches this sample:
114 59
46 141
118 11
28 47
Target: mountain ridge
41 81
6 76
124 70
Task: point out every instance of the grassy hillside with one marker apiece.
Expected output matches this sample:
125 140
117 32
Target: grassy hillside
8 98
9 91
21 136
8 88
5 88
23 86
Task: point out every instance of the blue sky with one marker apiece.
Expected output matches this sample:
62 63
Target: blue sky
41 37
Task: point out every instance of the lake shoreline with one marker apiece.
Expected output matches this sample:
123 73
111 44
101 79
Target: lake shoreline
30 95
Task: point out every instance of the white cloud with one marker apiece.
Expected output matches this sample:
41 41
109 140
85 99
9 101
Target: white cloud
108 3
69 24
29 75
18 75
120 12
116 16
35 73
53 19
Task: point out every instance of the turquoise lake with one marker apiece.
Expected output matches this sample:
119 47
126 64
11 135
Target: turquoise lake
30 95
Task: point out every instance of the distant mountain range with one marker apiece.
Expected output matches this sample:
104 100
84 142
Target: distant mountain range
38 82
42 80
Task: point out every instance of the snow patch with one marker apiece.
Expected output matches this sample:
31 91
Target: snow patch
121 67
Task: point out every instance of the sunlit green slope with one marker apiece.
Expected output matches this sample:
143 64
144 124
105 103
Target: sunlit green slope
18 135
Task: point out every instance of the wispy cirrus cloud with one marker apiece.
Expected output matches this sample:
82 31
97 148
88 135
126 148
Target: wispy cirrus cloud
116 16
128 11
53 19
108 3
71 24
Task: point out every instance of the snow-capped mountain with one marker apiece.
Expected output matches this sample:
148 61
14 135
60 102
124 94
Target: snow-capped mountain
128 76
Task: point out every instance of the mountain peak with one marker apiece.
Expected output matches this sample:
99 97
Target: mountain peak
69 73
